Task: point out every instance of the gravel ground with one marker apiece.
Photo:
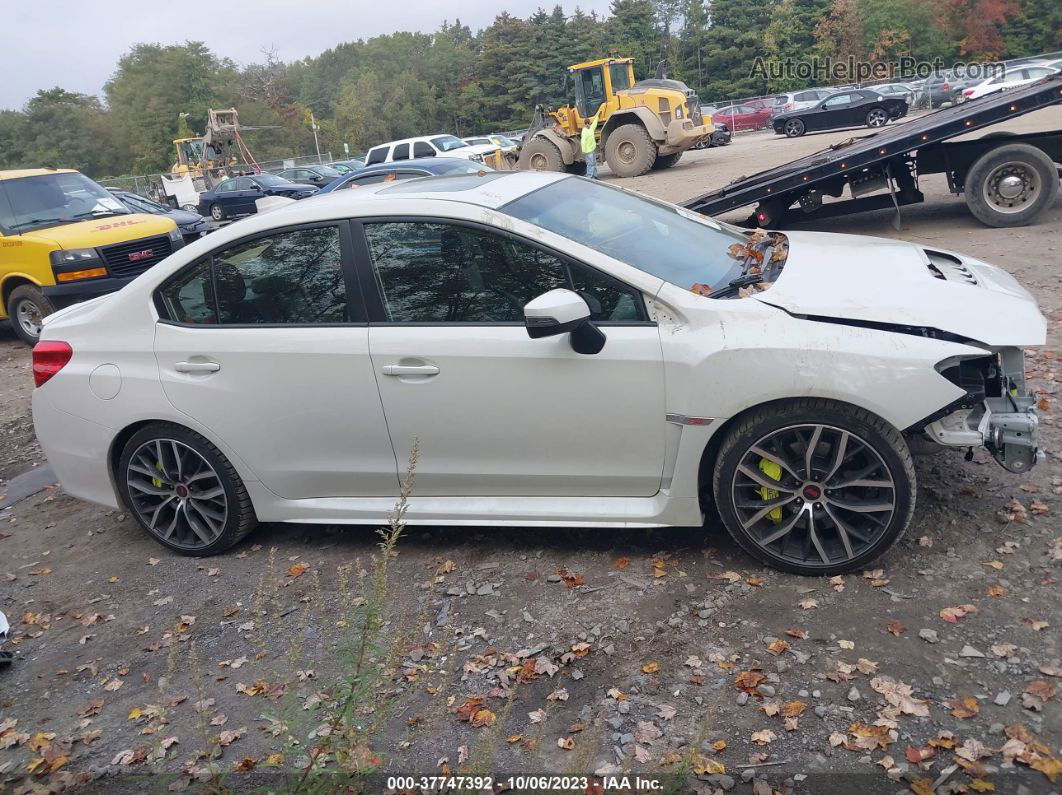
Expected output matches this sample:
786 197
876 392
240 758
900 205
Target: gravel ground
660 653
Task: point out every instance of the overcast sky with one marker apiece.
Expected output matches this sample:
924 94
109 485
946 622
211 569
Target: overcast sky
76 45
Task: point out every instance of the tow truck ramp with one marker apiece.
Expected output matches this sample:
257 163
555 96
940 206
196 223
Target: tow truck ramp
1008 179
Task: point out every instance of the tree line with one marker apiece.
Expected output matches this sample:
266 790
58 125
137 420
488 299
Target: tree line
456 80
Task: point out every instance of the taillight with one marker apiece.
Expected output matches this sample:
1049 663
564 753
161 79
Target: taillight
48 359
946 87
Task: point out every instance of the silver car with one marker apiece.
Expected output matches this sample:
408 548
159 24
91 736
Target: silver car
799 100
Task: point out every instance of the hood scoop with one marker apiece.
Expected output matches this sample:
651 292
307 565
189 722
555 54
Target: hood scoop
949 268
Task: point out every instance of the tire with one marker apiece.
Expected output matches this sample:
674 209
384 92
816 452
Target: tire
540 154
844 538
26 307
192 525
666 161
793 128
217 212
629 151
877 117
1010 185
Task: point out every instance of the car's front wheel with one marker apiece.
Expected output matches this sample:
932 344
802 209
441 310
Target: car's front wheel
814 486
183 491
27 307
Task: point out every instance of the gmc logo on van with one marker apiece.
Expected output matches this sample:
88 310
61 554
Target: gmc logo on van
136 256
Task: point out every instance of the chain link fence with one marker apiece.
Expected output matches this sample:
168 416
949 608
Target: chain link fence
151 186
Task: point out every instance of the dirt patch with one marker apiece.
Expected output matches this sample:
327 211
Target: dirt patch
661 653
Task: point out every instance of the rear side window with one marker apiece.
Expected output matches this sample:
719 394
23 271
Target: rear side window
377 155
288 278
807 96
401 152
423 149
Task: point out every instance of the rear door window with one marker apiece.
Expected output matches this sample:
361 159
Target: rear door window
401 152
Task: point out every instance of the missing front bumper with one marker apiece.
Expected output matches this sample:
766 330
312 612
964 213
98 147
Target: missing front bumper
1005 426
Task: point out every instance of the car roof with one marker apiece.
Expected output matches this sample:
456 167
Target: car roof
414 140
431 164
490 190
18 173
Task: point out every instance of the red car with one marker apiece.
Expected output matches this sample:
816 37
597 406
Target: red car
744 117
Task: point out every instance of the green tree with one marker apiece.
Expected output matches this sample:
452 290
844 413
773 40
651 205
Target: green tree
732 44
790 37
1037 28
151 87
633 32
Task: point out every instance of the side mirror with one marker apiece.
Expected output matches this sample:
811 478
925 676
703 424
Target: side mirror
563 311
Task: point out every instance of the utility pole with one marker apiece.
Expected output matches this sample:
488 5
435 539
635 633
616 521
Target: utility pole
313 126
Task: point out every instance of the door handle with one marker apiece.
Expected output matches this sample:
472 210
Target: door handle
410 369
196 367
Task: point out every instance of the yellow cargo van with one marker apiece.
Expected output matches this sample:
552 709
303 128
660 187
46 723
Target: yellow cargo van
63 239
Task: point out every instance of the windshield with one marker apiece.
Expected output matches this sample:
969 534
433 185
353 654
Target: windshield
140 204
444 143
54 199
502 140
268 180
673 244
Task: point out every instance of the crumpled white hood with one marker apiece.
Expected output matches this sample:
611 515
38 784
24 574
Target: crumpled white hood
888 281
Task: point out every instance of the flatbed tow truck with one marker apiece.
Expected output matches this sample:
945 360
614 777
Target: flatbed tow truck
1008 178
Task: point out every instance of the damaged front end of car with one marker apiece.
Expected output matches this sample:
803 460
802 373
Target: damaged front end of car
997 412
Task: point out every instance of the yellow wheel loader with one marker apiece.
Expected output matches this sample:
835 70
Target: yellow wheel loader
643 125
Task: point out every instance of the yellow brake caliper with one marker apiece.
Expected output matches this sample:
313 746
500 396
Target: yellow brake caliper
774 472
157 482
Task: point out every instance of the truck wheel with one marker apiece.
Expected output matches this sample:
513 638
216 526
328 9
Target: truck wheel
666 161
793 128
629 151
1011 185
540 154
27 307
814 486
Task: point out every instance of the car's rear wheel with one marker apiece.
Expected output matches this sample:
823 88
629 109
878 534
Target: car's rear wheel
27 307
877 117
793 128
183 491
217 212
814 487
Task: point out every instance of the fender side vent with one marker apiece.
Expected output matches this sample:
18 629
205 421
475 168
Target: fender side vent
949 268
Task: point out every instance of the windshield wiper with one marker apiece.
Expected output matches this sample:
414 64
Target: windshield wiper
736 284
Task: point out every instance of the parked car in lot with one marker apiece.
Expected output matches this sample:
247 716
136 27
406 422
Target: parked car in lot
427 146
317 176
192 225
903 91
511 323
238 195
1013 78
720 136
848 109
63 238
740 118
799 100
392 172
496 140
346 166
946 87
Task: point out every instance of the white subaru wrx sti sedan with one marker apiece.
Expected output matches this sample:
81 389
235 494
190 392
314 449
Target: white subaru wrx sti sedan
567 354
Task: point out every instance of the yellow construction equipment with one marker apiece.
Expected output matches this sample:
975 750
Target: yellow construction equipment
643 125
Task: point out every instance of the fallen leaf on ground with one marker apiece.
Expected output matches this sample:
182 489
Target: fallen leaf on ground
964 707
899 695
763 737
